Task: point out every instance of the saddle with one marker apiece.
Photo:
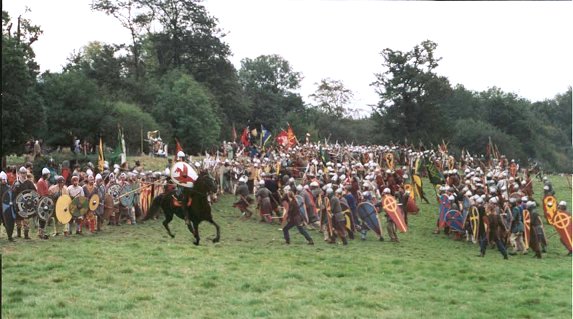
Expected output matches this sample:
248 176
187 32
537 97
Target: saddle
177 203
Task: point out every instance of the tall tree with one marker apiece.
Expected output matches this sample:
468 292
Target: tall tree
270 73
98 62
133 16
133 122
410 92
191 40
333 98
269 81
187 111
190 37
23 115
75 107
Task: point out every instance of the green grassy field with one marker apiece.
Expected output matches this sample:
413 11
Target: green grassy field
139 272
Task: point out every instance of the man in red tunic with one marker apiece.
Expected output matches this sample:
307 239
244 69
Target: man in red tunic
42 186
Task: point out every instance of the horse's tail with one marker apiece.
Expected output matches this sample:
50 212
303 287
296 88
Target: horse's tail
155 205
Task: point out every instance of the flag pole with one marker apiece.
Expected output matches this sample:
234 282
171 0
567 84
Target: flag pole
141 139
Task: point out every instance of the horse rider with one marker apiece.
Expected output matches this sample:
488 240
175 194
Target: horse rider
181 195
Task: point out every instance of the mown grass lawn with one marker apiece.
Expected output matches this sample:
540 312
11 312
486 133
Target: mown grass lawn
139 272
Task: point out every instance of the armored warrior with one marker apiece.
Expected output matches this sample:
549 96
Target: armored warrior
20 185
244 200
263 196
8 215
75 191
338 218
43 186
294 218
89 190
55 192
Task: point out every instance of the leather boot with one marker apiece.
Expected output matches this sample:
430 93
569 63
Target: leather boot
42 234
27 234
19 232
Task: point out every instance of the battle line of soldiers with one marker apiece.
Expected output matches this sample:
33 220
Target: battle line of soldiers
340 191
68 200
343 191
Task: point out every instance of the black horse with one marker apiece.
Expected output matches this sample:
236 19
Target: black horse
198 211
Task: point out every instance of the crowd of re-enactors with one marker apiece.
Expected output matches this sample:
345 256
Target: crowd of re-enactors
313 187
77 182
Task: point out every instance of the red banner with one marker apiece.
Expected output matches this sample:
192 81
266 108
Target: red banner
177 149
291 137
245 137
282 138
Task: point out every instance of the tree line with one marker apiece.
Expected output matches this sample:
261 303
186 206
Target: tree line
175 75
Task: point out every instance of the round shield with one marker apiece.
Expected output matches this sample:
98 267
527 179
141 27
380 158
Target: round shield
107 206
114 190
46 208
94 202
126 196
79 206
27 203
63 209
183 174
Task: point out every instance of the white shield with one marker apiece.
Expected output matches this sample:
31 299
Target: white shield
183 174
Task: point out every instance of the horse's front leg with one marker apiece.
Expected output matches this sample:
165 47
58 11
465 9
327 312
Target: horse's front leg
218 236
168 218
194 228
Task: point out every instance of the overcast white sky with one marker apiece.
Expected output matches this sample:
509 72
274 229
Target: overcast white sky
521 47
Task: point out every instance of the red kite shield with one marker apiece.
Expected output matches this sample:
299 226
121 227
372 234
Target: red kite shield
183 174
562 223
526 227
391 208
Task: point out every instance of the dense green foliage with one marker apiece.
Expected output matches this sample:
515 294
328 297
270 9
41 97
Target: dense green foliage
417 104
23 113
186 110
177 77
139 272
